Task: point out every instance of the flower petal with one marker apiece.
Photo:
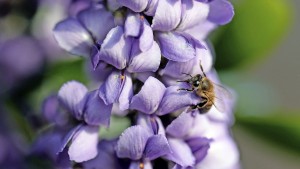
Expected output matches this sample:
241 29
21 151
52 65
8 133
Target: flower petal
126 93
135 5
174 100
166 20
72 94
156 146
96 112
180 153
193 13
178 69
146 37
152 123
148 99
181 126
109 91
84 144
132 25
115 48
145 61
223 154
176 47
132 142
73 37
151 7
89 17
200 147
68 138
221 12
201 30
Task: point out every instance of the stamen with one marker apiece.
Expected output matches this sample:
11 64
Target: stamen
141 165
142 17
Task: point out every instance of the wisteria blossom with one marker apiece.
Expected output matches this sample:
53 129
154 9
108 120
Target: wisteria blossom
140 49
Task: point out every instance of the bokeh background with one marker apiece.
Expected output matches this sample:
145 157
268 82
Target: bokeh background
256 54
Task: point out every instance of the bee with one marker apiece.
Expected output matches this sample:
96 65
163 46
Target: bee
211 94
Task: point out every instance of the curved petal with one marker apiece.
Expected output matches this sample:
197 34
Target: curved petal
223 154
115 48
174 100
201 30
132 25
151 7
178 69
148 99
96 112
180 153
68 138
193 13
200 147
146 37
221 12
72 94
84 144
73 37
126 93
152 123
166 20
109 91
156 146
135 5
176 47
181 126
89 18
145 61
132 142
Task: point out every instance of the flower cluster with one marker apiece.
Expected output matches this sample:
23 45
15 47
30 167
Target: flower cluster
141 49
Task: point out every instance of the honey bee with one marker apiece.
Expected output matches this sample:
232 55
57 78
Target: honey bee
211 94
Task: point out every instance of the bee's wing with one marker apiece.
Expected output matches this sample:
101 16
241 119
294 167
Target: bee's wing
222 94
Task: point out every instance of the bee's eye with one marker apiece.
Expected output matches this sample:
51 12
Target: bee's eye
196 83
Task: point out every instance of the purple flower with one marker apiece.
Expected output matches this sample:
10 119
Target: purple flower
88 108
141 146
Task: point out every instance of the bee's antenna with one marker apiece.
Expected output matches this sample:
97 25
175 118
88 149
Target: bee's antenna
187 74
202 69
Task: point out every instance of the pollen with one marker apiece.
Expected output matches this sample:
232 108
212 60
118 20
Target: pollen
142 17
122 77
141 165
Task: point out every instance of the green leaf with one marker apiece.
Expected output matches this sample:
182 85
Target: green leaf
55 76
257 27
117 126
277 128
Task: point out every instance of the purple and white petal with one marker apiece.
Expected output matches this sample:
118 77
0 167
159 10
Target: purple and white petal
178 69
176 47
132 142
149 97
96 112
68 137
145 61
201 30
220 12
116 48
193 13
167 15
180 153
126 92
205 57
98 28
132 25
72 94
181 126
73 37
174 100
151 8
146 37
84 144
109 91
223 154
135 5
199 147
156 146
152 123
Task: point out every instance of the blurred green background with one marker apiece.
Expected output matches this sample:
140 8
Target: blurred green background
256 55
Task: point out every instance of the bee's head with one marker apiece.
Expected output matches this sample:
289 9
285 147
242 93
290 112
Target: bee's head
195 80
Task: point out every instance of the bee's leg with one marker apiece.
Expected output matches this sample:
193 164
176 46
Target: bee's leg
189 90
